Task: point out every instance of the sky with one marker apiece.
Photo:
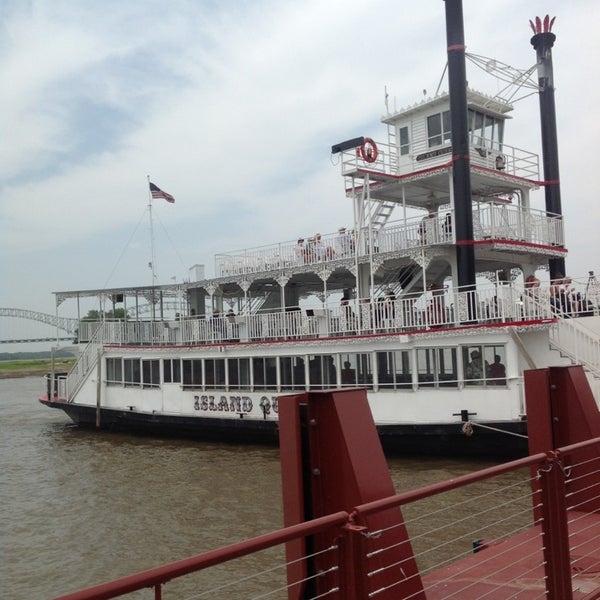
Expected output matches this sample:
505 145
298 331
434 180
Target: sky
232 107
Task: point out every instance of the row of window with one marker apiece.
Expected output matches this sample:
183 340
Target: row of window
484 130
401 369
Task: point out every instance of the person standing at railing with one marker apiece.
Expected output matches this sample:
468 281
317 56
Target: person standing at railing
447 227
352 237
310 251
532 297
321 251
343 242
217 326
435 309
555 286
300 252
349 324
232 328
426 228
318 248
568 298
390 308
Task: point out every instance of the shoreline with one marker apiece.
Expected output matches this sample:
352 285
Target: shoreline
16 374
32 368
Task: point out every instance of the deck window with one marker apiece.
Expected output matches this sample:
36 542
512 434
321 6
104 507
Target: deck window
484 364
292 373
265 373
214 373
496 359
447 367
426 367
114 371
357 370
437 367
438 129
238 370
151 373
172 370
322 372
394 369
132 372
192 373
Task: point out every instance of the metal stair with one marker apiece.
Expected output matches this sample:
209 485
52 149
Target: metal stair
86 361
580 344
381 213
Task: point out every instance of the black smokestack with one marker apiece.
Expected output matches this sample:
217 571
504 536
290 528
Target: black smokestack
542 41
461 177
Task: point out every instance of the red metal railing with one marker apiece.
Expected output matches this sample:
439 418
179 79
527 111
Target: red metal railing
557 546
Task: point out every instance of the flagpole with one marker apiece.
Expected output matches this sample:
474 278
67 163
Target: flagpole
152 260
152 264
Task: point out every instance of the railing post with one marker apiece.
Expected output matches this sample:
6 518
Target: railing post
557 558
353 564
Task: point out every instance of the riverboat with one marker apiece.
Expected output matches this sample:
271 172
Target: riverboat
445 288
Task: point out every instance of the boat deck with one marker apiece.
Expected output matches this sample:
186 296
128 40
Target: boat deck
515 568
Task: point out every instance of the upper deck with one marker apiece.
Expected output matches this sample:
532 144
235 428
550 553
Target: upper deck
494 221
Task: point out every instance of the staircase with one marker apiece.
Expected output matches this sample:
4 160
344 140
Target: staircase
579 343
86 361
381 213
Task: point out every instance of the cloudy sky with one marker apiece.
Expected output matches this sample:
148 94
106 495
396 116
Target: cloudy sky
232 107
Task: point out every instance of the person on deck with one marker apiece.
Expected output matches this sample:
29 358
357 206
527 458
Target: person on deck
497 372
343 242
476 371
300 252
426 228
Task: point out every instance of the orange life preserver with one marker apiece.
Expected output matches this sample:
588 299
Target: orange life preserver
368 151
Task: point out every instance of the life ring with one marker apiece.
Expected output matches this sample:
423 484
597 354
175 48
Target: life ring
368 151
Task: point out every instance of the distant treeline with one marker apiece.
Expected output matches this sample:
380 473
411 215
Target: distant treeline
35 355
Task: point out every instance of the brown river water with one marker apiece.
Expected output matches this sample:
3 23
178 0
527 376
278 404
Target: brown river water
81 507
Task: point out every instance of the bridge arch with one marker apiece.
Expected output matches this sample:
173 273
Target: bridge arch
66 324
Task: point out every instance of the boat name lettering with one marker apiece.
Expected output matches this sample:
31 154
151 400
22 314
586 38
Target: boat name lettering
237 404
434 153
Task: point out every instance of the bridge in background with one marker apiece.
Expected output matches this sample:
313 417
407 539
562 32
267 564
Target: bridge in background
65 327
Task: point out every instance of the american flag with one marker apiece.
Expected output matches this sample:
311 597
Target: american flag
158 193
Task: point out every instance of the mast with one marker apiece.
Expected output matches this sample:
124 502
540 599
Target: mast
542 41
152 263
461 177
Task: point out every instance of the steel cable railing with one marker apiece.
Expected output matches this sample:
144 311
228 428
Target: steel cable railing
513 557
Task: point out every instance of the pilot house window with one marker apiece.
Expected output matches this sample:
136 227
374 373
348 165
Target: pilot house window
438 129
404 141
485 131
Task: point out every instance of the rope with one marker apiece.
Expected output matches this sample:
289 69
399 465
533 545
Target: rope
467 429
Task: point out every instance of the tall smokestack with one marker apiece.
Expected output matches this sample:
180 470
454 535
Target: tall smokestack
461 176
542 41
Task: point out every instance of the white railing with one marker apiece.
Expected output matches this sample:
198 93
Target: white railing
502 303
582 345
484 153
505 222
497 221
87 359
